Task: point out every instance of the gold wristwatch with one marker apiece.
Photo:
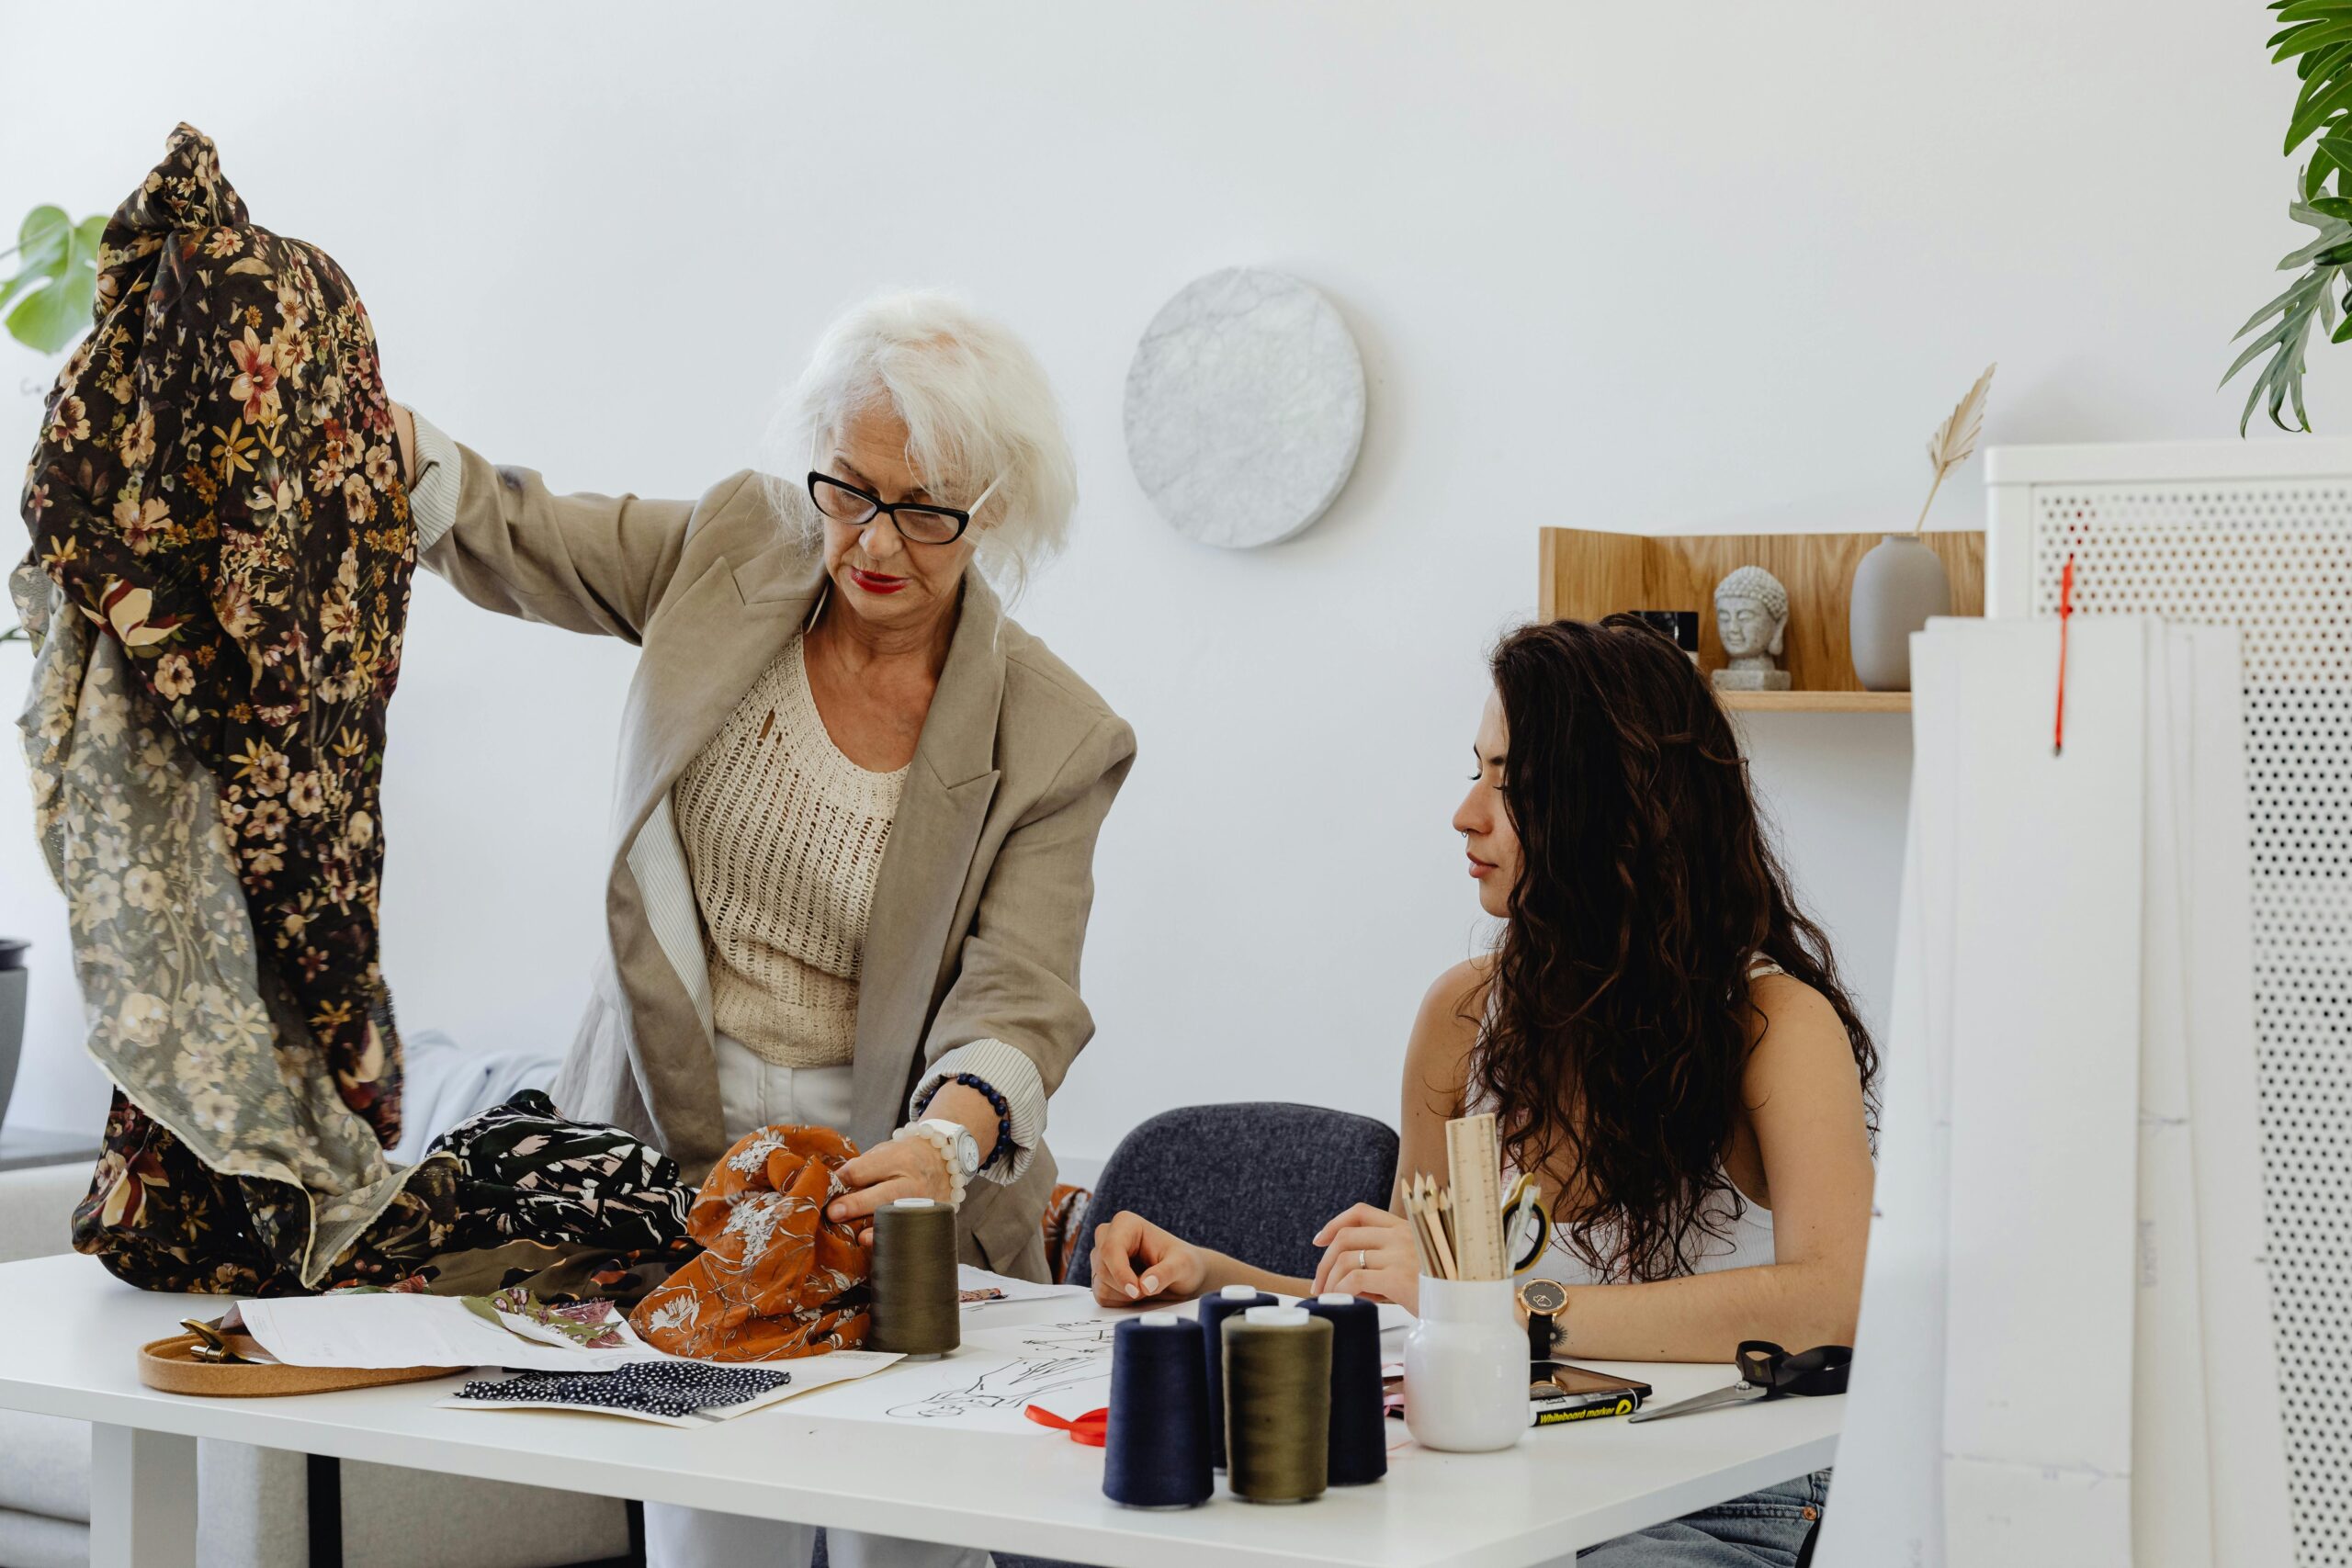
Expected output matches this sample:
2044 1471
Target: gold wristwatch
1544 1300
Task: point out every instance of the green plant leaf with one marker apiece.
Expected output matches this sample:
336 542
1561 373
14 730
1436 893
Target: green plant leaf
2312 35
2270 309
42 237
2328 58
2327 97
56 279
48 318
2309 10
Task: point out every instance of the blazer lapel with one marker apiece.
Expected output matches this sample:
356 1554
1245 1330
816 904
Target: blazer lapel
927 864
740 618
726 637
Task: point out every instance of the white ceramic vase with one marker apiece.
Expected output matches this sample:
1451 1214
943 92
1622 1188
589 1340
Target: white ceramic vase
1897 587
1465 1367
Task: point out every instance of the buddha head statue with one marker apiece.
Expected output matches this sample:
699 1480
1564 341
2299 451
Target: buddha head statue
1751 616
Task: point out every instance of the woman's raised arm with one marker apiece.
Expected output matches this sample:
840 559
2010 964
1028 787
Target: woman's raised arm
585 562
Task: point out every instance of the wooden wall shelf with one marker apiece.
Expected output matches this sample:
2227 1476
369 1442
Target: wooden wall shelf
1818 702
1588 573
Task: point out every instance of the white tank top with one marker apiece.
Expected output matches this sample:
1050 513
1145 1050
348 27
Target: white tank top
1743 1238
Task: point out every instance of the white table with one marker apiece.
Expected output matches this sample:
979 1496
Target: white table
72 1352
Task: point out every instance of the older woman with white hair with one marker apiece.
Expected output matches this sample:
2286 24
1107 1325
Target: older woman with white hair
856 802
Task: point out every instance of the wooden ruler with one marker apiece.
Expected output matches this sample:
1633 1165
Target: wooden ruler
1474 1163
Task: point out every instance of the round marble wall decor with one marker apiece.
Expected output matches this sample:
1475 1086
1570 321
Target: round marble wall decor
1245 408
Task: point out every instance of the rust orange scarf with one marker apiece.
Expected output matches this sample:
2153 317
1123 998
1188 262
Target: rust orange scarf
776 1278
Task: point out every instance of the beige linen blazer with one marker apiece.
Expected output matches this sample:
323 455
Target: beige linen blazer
980 909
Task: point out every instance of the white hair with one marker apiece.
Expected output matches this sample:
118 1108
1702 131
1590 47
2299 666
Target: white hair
977 411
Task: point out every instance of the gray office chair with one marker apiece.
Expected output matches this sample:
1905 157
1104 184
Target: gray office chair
1254 1180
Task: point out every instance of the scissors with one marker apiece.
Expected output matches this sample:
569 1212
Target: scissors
1767 1371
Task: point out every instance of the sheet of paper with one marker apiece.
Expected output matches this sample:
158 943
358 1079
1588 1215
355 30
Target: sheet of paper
2045 1068
403 1330
1890 1465
2172 1516
986 1384
969 1279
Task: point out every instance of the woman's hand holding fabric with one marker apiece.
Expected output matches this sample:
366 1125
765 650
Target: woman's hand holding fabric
1370 1252
1135 1260
902 1168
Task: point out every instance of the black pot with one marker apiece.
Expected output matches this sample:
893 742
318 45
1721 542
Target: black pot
12 1015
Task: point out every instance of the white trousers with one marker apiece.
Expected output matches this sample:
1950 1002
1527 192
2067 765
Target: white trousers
754 1093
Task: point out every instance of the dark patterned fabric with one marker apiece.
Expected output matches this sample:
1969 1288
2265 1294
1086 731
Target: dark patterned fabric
161 1219
516 1198
216 485
526 1174
650 1388
1304 1165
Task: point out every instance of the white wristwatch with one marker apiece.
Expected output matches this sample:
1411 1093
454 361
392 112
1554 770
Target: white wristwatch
956 1145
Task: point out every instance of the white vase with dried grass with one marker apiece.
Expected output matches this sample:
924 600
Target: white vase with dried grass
1901 583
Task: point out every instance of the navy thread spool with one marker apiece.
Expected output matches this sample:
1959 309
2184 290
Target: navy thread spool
1359 1404
1214 1310
1156 1454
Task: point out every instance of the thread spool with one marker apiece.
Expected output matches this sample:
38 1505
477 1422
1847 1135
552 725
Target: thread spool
1359 1405
1214 1310
1277 1404
915 1300
1157 1452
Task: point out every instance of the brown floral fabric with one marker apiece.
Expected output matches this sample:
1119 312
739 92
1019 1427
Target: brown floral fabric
776 1278
160 1218
231 1155
216 486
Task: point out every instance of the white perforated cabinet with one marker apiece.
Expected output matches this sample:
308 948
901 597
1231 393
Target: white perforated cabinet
2256 535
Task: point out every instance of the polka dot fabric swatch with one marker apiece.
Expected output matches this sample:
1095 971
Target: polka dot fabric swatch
656 1389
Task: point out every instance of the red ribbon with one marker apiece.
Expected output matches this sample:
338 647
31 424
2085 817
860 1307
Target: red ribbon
1093 1428
2066 614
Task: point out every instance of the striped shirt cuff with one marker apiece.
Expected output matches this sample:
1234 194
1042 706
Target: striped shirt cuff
433 499
1011 1075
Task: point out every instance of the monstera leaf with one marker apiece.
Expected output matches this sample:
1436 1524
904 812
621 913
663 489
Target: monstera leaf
57 275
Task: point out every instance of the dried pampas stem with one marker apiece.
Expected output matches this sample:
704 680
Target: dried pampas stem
1955 439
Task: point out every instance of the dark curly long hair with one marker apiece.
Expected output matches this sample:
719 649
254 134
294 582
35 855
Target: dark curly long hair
1617 1017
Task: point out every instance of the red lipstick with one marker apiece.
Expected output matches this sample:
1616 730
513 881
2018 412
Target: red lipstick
875 582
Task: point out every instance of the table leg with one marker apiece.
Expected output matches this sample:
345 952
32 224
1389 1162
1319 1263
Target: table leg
143 1498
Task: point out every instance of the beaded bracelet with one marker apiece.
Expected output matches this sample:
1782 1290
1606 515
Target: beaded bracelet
1003 1149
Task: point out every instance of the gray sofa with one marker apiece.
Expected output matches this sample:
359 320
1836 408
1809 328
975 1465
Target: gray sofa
254 1504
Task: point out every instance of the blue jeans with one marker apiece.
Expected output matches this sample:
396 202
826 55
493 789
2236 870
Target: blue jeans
1763 1529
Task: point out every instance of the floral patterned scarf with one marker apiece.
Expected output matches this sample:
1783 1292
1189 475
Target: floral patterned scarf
216 487
216 504
776 1278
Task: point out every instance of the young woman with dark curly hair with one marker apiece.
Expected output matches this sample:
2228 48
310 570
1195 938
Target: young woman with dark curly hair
1660 1030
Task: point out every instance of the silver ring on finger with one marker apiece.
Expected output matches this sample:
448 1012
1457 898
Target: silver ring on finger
1359 1262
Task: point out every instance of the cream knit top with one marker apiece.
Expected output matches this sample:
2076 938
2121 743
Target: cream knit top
784 837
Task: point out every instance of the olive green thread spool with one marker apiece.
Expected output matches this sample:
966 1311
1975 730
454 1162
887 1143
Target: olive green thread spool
915 1300
1277 1404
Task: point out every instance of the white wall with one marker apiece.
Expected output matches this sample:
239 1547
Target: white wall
1714 268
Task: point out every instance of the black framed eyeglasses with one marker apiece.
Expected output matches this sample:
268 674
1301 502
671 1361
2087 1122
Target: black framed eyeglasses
918 525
